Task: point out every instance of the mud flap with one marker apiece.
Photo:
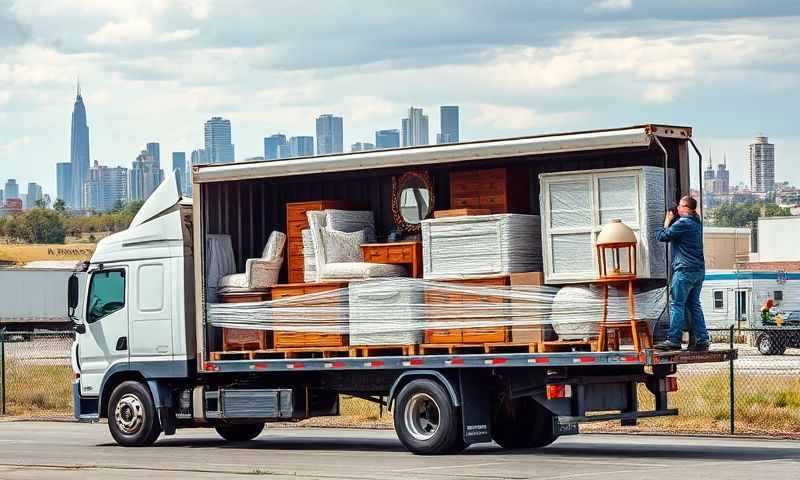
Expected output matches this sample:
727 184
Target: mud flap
475 407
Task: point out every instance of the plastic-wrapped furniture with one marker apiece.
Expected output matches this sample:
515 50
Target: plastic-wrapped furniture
219 262
575 205
338 254
481 245
260 273
387 312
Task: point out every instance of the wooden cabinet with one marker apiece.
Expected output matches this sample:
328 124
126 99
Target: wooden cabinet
296 222
397 253
499 190
235 339
436 297
288 339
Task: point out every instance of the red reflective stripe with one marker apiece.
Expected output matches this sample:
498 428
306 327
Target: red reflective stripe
338 364
631 358
211 367
542 360
376 363
296 365
260 366
498 361
457 361
586 359
416 361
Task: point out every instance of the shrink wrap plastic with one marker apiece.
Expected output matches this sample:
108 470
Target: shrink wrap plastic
399 310
480 245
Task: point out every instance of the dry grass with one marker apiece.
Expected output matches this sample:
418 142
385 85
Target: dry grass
38 389
24 253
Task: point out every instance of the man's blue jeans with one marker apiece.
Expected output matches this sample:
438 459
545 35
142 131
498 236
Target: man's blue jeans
685 292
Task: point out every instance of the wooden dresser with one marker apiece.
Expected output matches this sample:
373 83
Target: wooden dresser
466 335
397 253
500 190
296 222
235 339
311 339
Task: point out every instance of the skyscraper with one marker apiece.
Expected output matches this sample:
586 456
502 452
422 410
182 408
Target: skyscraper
387 138
415 128
179 164
79 152
33 194
12 189
272 146
144 176
361 146
219 148
105 187
301 146
155 150
761 165
329 134
199 156
63 180
448 124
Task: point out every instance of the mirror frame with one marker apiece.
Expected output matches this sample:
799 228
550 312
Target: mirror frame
401 223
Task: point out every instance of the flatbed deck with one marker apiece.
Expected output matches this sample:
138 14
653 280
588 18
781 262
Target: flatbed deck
469 360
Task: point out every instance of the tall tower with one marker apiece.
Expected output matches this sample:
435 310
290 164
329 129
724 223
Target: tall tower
448 122
761 165
415 128
79 152
329 134
219 148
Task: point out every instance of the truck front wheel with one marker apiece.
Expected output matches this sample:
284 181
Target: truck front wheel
132 416
425 419
239 432
522 423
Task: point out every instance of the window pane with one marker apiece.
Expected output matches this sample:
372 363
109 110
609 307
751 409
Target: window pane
570 204
573 253
106 294
617 198
719 303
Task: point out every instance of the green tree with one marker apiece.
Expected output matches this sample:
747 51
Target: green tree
42 226
41 203
745 214
60 206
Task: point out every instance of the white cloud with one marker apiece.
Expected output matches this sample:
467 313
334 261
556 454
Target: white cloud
135 31
611 5
655 94
517 118
13 145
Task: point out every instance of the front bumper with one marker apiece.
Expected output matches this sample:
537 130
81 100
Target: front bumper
85 409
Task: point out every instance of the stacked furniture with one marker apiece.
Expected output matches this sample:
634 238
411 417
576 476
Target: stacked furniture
500 190
396 253
305 299
296 222
385 312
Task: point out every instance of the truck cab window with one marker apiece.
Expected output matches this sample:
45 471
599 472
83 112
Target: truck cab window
106 294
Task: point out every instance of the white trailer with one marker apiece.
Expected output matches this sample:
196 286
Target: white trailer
731 297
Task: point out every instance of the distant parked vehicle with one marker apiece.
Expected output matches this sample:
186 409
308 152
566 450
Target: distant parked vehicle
778 336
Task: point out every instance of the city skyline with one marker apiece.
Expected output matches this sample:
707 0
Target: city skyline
158 74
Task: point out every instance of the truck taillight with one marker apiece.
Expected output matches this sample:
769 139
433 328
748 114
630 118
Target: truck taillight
559 391
672 384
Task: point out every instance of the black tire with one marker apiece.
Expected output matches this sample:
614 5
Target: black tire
425 419
766 344
132 417
522 423
239 432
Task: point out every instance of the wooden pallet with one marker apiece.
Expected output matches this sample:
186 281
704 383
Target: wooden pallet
231 355
383 350
511 347
568 346
303 352
451 348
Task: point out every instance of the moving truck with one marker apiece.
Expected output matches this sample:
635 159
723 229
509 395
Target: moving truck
143 353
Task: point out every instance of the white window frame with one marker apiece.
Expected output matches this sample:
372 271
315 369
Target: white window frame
724 306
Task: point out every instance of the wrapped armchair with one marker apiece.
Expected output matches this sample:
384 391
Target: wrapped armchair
259 273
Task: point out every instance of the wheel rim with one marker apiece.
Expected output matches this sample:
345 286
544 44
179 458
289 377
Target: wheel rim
422 416
129 414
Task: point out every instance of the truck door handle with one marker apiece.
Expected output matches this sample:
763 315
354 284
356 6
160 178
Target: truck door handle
122 343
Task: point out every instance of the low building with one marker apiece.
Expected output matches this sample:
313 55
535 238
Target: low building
725 248
775 248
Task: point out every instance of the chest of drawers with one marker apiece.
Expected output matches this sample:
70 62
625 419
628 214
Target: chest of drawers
499 190
445 304
284 339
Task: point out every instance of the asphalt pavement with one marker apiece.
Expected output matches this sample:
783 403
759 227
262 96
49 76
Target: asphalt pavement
34 450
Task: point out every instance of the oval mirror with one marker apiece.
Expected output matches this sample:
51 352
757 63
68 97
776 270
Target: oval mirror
412 200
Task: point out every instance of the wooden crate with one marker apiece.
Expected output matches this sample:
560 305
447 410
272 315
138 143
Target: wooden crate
237 339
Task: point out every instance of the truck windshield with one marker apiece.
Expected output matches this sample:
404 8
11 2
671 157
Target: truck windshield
106 294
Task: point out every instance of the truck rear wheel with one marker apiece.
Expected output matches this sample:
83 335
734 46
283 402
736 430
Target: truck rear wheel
132 417
522 423
239 432
767 344
425 419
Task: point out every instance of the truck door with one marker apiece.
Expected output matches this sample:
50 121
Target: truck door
106 339
150 312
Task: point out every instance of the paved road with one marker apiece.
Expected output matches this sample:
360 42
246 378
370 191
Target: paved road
71 451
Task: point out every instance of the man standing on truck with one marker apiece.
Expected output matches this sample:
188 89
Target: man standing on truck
689 269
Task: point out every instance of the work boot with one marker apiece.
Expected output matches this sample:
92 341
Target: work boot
699 347
667 346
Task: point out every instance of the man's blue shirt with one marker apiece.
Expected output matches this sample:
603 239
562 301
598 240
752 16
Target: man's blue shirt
686 237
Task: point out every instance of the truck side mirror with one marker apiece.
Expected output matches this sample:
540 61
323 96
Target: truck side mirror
72 294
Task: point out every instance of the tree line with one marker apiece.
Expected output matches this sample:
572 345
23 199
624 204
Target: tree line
42 225
745 214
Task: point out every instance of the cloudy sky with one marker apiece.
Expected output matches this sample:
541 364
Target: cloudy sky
156 70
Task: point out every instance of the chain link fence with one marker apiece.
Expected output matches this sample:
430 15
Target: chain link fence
759 393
